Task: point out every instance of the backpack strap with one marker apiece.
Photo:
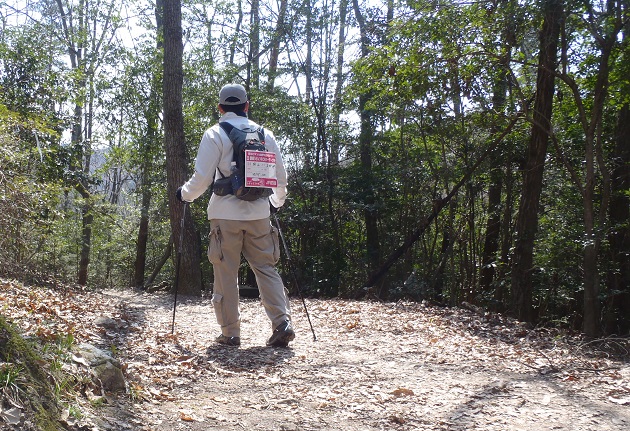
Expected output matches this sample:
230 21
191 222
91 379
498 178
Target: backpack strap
227 127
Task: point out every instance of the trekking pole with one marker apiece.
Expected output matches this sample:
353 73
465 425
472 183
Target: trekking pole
179 258
295 279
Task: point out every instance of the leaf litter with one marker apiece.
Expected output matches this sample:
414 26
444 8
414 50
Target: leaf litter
375 366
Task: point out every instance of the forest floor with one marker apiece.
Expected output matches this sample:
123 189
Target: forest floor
374 366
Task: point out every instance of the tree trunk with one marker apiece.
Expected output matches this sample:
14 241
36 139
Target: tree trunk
439 277
493 231
87 210
254 45
597 181
88 205
77 165
143 238
527 220
337 105
275 47
618 277
500 299
370 213
237 30
596 168
308 63
174 143
80 26
493 226
86 242
619 212
333 141
168 250
149 145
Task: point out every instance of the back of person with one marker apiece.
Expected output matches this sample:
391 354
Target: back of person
240 226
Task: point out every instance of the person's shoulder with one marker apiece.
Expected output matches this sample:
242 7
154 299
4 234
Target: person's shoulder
213 133
252 124
212 129
269 133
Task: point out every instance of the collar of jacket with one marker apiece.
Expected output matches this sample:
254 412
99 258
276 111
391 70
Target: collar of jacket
229 115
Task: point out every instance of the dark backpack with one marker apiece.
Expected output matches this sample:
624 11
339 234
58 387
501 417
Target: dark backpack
242 139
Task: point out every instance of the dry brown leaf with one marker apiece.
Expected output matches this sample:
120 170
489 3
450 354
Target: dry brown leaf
185 417
397 419
402 392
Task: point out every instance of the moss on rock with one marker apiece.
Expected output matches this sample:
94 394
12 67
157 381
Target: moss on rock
41 410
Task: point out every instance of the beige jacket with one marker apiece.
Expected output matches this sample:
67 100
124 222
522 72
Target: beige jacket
215 151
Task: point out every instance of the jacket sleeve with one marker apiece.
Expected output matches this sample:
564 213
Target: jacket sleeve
208 157
279 193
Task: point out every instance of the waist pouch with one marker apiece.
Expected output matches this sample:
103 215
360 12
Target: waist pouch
222 186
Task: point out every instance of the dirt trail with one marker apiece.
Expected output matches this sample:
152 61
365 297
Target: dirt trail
375 366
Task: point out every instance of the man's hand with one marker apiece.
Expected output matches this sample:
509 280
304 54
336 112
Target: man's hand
178 194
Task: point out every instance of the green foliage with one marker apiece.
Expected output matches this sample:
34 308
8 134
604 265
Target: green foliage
437 84
10 380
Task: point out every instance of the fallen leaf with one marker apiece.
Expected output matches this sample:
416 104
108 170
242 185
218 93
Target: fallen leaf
397 419
402 391
185 417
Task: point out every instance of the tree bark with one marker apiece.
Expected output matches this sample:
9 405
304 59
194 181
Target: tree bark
493 231
527 220
507 233
254 46
149 144
237 31
80 26
308 63
595 212
337 104
86 243
493 226
596 186
75 53
370 212
275 45
143 237
174 142
168 250
618 277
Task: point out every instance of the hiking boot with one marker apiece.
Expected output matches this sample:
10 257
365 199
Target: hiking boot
228 341
282 335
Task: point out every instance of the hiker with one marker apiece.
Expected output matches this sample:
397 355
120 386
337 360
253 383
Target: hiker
239 226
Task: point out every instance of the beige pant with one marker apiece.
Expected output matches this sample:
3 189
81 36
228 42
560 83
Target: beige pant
258 241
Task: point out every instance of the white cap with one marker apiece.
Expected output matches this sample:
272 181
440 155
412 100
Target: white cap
232 94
